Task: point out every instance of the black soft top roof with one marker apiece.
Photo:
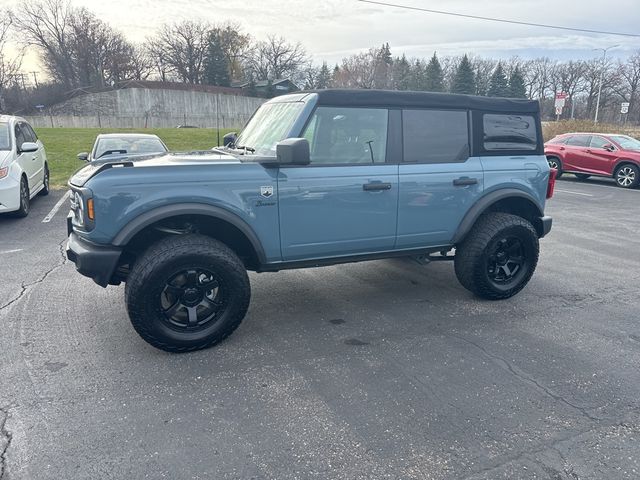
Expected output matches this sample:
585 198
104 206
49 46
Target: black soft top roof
391 98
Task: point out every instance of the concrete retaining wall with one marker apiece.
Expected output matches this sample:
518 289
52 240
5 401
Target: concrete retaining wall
153 108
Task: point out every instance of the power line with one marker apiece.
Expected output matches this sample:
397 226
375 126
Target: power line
501 20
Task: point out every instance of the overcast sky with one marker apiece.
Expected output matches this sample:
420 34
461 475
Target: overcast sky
332 29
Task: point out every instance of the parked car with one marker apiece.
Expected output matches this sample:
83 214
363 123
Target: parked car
600 154
24 172
316 178
123 144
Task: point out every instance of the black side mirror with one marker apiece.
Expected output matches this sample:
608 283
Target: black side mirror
609 147
84 156
293 151
229 139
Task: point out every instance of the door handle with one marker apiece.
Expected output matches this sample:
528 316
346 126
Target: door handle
376 186
588 150
462 181
561 148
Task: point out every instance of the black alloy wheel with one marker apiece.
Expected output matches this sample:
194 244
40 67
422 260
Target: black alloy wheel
192 298
507 261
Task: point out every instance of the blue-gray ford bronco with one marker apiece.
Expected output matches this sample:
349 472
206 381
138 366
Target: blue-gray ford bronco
315 178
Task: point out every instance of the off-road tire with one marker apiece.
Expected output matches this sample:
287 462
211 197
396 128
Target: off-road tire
630 172
582 176
25 202
149 278
45 189
473 258
555 162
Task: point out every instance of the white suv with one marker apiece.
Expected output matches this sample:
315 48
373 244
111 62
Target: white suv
23 166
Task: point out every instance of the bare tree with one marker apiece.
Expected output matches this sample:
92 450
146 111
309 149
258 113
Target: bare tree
629 86
594 69
483 69
9 67
276 58
46 24
358 70
180 49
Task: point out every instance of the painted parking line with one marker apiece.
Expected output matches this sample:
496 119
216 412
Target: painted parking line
56 207
10 251
574 193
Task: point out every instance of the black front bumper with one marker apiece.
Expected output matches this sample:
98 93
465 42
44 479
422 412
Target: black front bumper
97 262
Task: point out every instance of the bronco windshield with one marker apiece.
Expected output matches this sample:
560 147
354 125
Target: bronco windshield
268 126
5 136
627 143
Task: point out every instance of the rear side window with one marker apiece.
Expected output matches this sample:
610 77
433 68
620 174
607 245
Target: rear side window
505 132
557 140
579 141
435 136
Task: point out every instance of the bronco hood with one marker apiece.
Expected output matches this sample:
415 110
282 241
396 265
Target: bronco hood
156 160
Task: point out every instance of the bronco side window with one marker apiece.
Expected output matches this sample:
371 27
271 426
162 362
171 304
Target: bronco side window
347 135
509 132
435 136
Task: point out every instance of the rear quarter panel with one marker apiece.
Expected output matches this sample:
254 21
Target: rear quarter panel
529 173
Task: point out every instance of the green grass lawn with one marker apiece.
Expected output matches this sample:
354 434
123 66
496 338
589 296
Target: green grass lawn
63 144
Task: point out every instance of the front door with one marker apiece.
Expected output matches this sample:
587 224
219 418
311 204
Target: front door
345 202
28 161
601 160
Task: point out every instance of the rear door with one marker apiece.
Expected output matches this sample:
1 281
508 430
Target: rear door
439 180
345 202
575 156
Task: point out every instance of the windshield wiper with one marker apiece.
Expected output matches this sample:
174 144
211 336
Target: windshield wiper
245 148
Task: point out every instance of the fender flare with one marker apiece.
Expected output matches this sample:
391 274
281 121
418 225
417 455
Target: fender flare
152 216
484 203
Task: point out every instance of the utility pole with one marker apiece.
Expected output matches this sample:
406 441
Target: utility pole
604 58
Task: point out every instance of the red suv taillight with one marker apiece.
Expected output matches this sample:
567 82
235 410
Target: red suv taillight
552 182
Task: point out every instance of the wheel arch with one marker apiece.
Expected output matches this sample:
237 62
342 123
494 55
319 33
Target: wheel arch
509 200
624 161
216 222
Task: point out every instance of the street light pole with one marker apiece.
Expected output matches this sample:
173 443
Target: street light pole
604 58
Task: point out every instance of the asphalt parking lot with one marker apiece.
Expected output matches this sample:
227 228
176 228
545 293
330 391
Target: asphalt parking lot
385 369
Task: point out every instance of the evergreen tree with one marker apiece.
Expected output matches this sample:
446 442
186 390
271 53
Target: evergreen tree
516 84
498 86
417 76
401 73
434 77
216 67
464 79
382 67
324 77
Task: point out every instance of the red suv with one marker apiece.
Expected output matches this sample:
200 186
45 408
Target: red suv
586 154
